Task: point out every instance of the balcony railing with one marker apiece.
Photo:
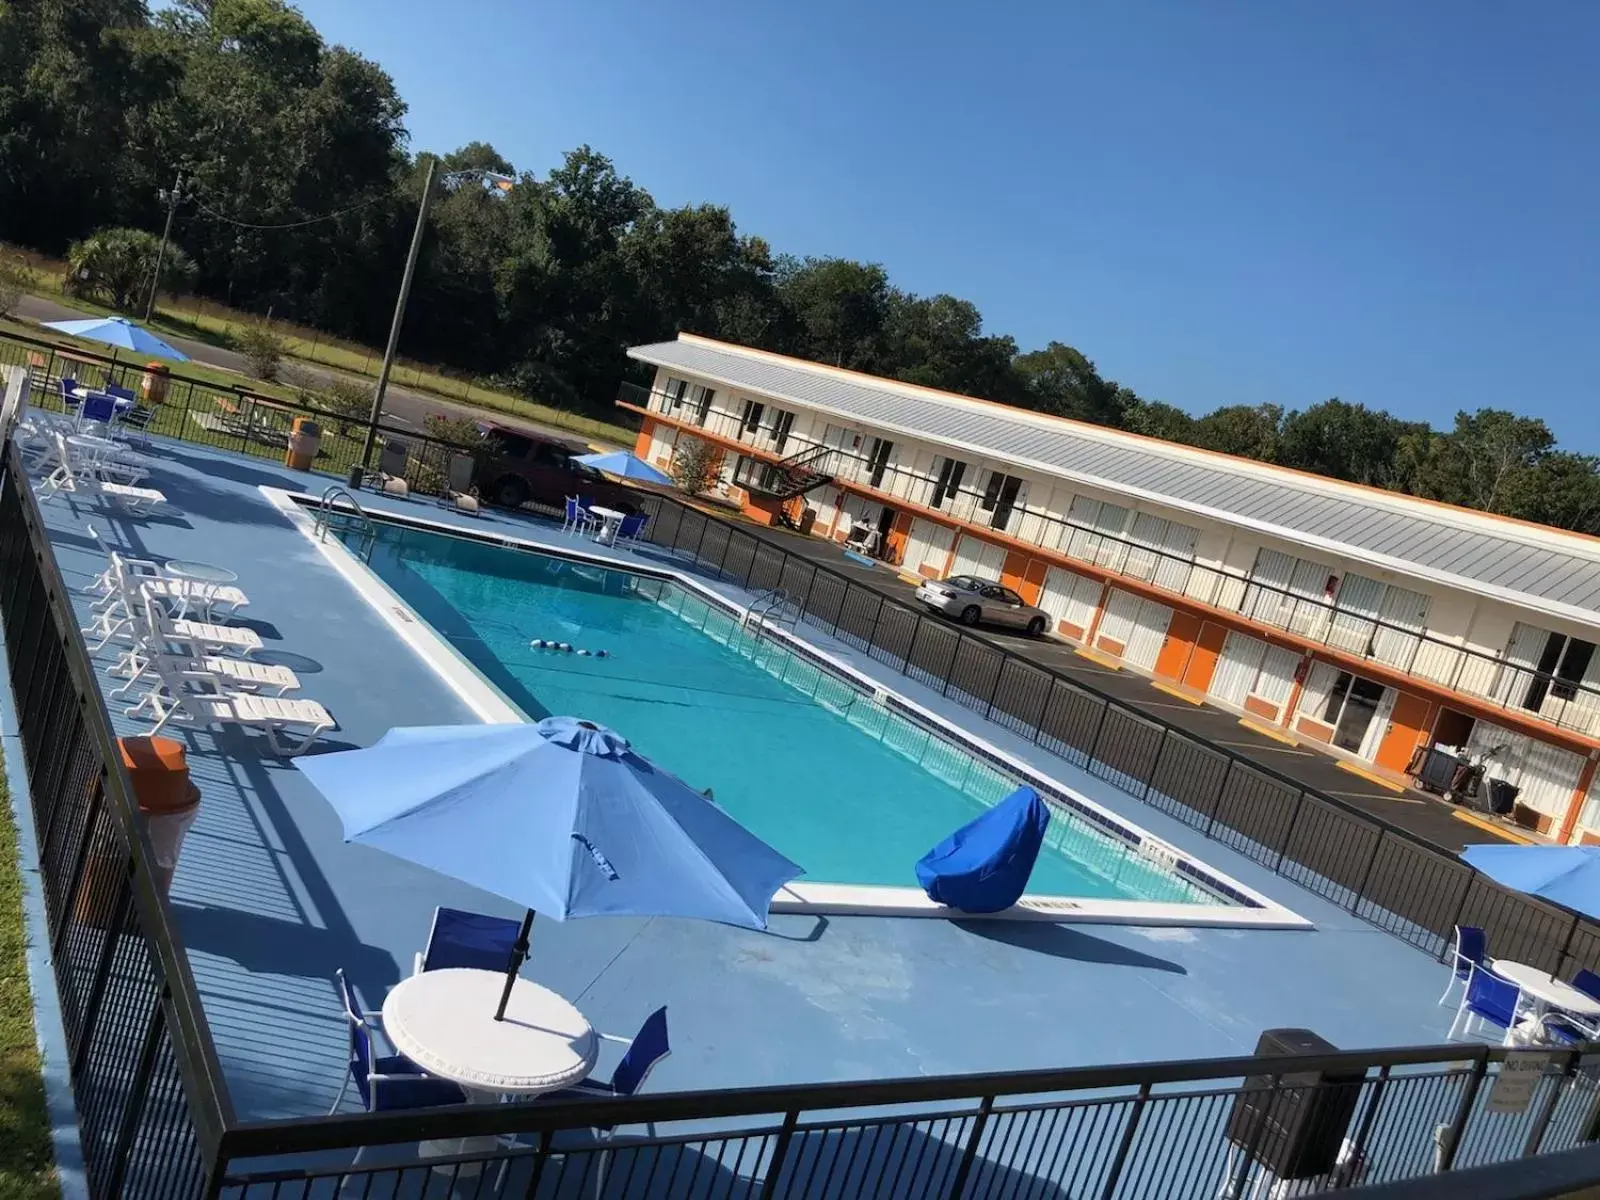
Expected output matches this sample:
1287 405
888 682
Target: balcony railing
1485 676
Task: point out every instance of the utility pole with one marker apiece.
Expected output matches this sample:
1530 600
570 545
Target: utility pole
172 199
399 319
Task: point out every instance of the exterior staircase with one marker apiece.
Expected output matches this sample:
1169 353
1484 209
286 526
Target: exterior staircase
796 475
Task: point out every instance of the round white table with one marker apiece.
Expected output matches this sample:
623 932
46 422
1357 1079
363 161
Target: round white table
122 403
199 572
444 1022
1544 989
610 522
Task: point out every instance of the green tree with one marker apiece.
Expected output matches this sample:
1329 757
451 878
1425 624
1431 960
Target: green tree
696 464
1484 462
1352 442
1249 431
1062 381
1165 421
836 310
116 266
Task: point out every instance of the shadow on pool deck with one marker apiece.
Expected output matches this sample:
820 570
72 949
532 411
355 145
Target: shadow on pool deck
270 900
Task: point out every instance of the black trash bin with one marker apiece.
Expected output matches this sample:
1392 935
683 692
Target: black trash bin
1502 797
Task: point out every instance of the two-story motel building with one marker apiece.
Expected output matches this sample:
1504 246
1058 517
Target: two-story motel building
1359 621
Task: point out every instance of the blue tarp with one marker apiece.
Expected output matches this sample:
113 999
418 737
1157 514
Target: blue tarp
984 866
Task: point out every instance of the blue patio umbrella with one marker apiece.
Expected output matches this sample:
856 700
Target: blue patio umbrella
623 465
121 333
561 817
1568 875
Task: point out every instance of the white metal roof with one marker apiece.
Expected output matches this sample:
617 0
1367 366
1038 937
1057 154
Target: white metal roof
1534 566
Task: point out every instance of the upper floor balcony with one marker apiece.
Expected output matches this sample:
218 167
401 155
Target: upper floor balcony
1318 605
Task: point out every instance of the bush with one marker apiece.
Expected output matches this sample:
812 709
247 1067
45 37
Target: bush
463 433
263 350
348 402
115 266
696 463
13 285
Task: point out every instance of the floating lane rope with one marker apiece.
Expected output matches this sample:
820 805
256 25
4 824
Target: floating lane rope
566 648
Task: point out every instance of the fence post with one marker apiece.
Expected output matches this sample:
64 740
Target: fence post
1366 877
955 651
994 692
1161 746
769 1185
1288 830
1446 1155
1566 946
1461 908
1094 745
1541 1123
979 1123
1216 805
89 1014
1125 1143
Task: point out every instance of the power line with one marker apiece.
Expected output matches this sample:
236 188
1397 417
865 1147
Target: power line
367 203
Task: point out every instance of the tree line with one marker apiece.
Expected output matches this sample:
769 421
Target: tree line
299 197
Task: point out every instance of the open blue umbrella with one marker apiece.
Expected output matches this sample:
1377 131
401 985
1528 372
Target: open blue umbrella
1568 875
561 817
623 465
121 333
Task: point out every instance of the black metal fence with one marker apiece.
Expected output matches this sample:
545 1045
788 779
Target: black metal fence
231 418
1414 889
151 1102
1561 700
156 1120
1154 1131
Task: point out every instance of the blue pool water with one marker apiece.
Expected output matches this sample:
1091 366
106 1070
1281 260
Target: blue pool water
851 791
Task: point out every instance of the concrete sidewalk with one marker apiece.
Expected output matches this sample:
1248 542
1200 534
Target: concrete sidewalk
1416 812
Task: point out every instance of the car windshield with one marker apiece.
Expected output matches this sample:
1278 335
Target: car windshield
966 583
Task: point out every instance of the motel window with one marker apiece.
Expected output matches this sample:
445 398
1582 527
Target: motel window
1562 667
751 419
672 394
948 484
878 463
780 430
701 402
1000 494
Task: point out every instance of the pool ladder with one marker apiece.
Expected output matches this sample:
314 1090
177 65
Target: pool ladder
774 605
354 517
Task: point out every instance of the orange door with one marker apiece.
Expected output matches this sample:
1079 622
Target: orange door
1178 647
1406 723
1207 649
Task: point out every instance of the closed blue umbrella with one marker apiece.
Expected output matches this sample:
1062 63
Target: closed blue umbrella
1568 875
121 333
623 465
561 817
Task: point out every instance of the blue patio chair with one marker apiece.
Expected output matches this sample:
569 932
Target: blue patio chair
1471 948
578 519
102 409
632 526
1587 982
648 1047
68 385
1488 998
467 939
1566 1029
120 392
385 1082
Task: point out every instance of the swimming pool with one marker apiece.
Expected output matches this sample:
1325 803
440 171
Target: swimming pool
835 777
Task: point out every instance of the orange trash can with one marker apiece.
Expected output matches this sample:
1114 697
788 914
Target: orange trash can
305 442
154 384
169 803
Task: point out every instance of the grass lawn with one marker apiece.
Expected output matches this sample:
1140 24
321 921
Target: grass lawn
215 325
27 1160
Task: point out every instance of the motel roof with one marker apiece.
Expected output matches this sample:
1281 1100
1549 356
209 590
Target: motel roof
1531 565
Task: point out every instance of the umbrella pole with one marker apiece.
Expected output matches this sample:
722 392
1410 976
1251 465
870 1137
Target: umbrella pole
519 955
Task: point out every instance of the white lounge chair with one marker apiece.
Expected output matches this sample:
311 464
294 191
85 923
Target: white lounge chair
140 618
199 698
458 486
123 575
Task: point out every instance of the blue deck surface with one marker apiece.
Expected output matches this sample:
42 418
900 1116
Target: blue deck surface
270 901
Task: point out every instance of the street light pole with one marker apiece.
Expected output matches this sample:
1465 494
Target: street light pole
166 235
399 319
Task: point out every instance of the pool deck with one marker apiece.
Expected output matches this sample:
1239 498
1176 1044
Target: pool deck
270 901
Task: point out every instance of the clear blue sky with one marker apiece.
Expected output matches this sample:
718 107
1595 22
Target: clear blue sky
1217 201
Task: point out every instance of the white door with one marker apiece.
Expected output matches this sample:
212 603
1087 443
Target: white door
1269 603
1520 663
1549 777
928 545
974 556
1276 680
1149 635
827 508
1070 597
1378 726
1360 600
1237 667
662 440
1404 614
1139 626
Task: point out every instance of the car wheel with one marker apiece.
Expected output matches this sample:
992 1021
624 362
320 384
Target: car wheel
970 614
510 492
1036 627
